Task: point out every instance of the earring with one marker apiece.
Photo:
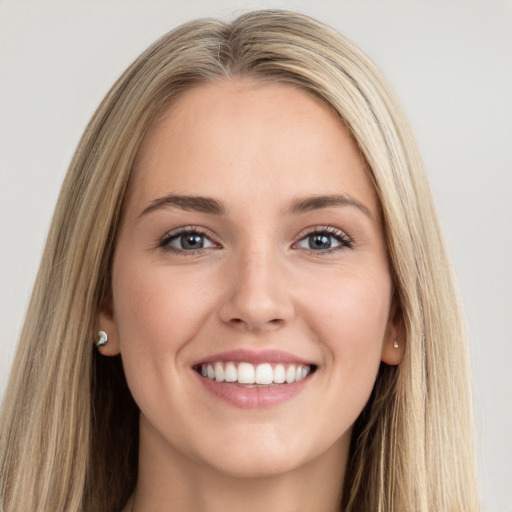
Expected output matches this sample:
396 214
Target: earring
102 339
395 344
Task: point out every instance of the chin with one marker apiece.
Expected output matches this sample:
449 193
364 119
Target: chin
262 465
260 453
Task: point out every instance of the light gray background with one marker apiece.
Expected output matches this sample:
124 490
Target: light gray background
450 63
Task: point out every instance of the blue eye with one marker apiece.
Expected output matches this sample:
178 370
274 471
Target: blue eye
186 241
325 240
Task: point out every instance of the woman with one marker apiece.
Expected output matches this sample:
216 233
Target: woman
247 223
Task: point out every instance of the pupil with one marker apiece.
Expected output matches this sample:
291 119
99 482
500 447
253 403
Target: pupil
191 241
319 242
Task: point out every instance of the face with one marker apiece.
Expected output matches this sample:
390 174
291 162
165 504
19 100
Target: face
251 294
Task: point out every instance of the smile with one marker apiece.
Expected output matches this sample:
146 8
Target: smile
263 374
251 379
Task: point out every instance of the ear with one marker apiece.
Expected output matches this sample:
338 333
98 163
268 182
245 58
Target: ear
393 347
106 322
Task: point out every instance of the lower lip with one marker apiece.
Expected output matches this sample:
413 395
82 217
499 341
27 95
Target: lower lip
254 397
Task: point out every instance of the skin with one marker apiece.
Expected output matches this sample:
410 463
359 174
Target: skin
257 284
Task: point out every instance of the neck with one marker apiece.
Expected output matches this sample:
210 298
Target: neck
169 480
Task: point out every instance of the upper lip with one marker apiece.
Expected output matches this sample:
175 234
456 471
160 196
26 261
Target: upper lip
253 357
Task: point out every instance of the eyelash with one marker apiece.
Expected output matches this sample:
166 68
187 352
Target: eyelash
344 241
191 230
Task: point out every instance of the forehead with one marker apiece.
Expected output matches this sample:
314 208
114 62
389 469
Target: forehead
218 138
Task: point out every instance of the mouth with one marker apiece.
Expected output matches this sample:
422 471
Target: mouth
249 375
250 379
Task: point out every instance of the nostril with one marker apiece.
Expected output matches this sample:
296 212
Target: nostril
274 323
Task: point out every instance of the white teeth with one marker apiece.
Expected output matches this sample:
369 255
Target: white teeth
230 373
264 374
290 374
246 373
279 374
219 372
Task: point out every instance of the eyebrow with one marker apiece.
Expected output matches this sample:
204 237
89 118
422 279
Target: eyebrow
214 207
189 203
306 204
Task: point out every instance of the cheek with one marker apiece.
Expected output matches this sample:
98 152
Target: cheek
155 308
356 301
157 313
351 317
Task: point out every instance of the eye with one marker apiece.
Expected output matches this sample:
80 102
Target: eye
325 240
186 241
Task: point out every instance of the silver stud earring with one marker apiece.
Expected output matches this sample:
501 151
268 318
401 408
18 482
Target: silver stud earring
102 339
395 344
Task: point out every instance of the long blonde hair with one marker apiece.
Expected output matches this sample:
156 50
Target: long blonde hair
69 427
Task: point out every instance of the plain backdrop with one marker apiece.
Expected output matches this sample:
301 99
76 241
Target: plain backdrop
450 63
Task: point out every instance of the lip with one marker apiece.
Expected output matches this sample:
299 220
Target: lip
253 357
256 397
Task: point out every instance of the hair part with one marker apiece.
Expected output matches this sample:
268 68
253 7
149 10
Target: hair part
69 430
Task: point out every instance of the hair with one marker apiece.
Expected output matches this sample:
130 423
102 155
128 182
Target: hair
69 426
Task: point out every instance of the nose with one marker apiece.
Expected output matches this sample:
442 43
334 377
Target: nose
257 297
